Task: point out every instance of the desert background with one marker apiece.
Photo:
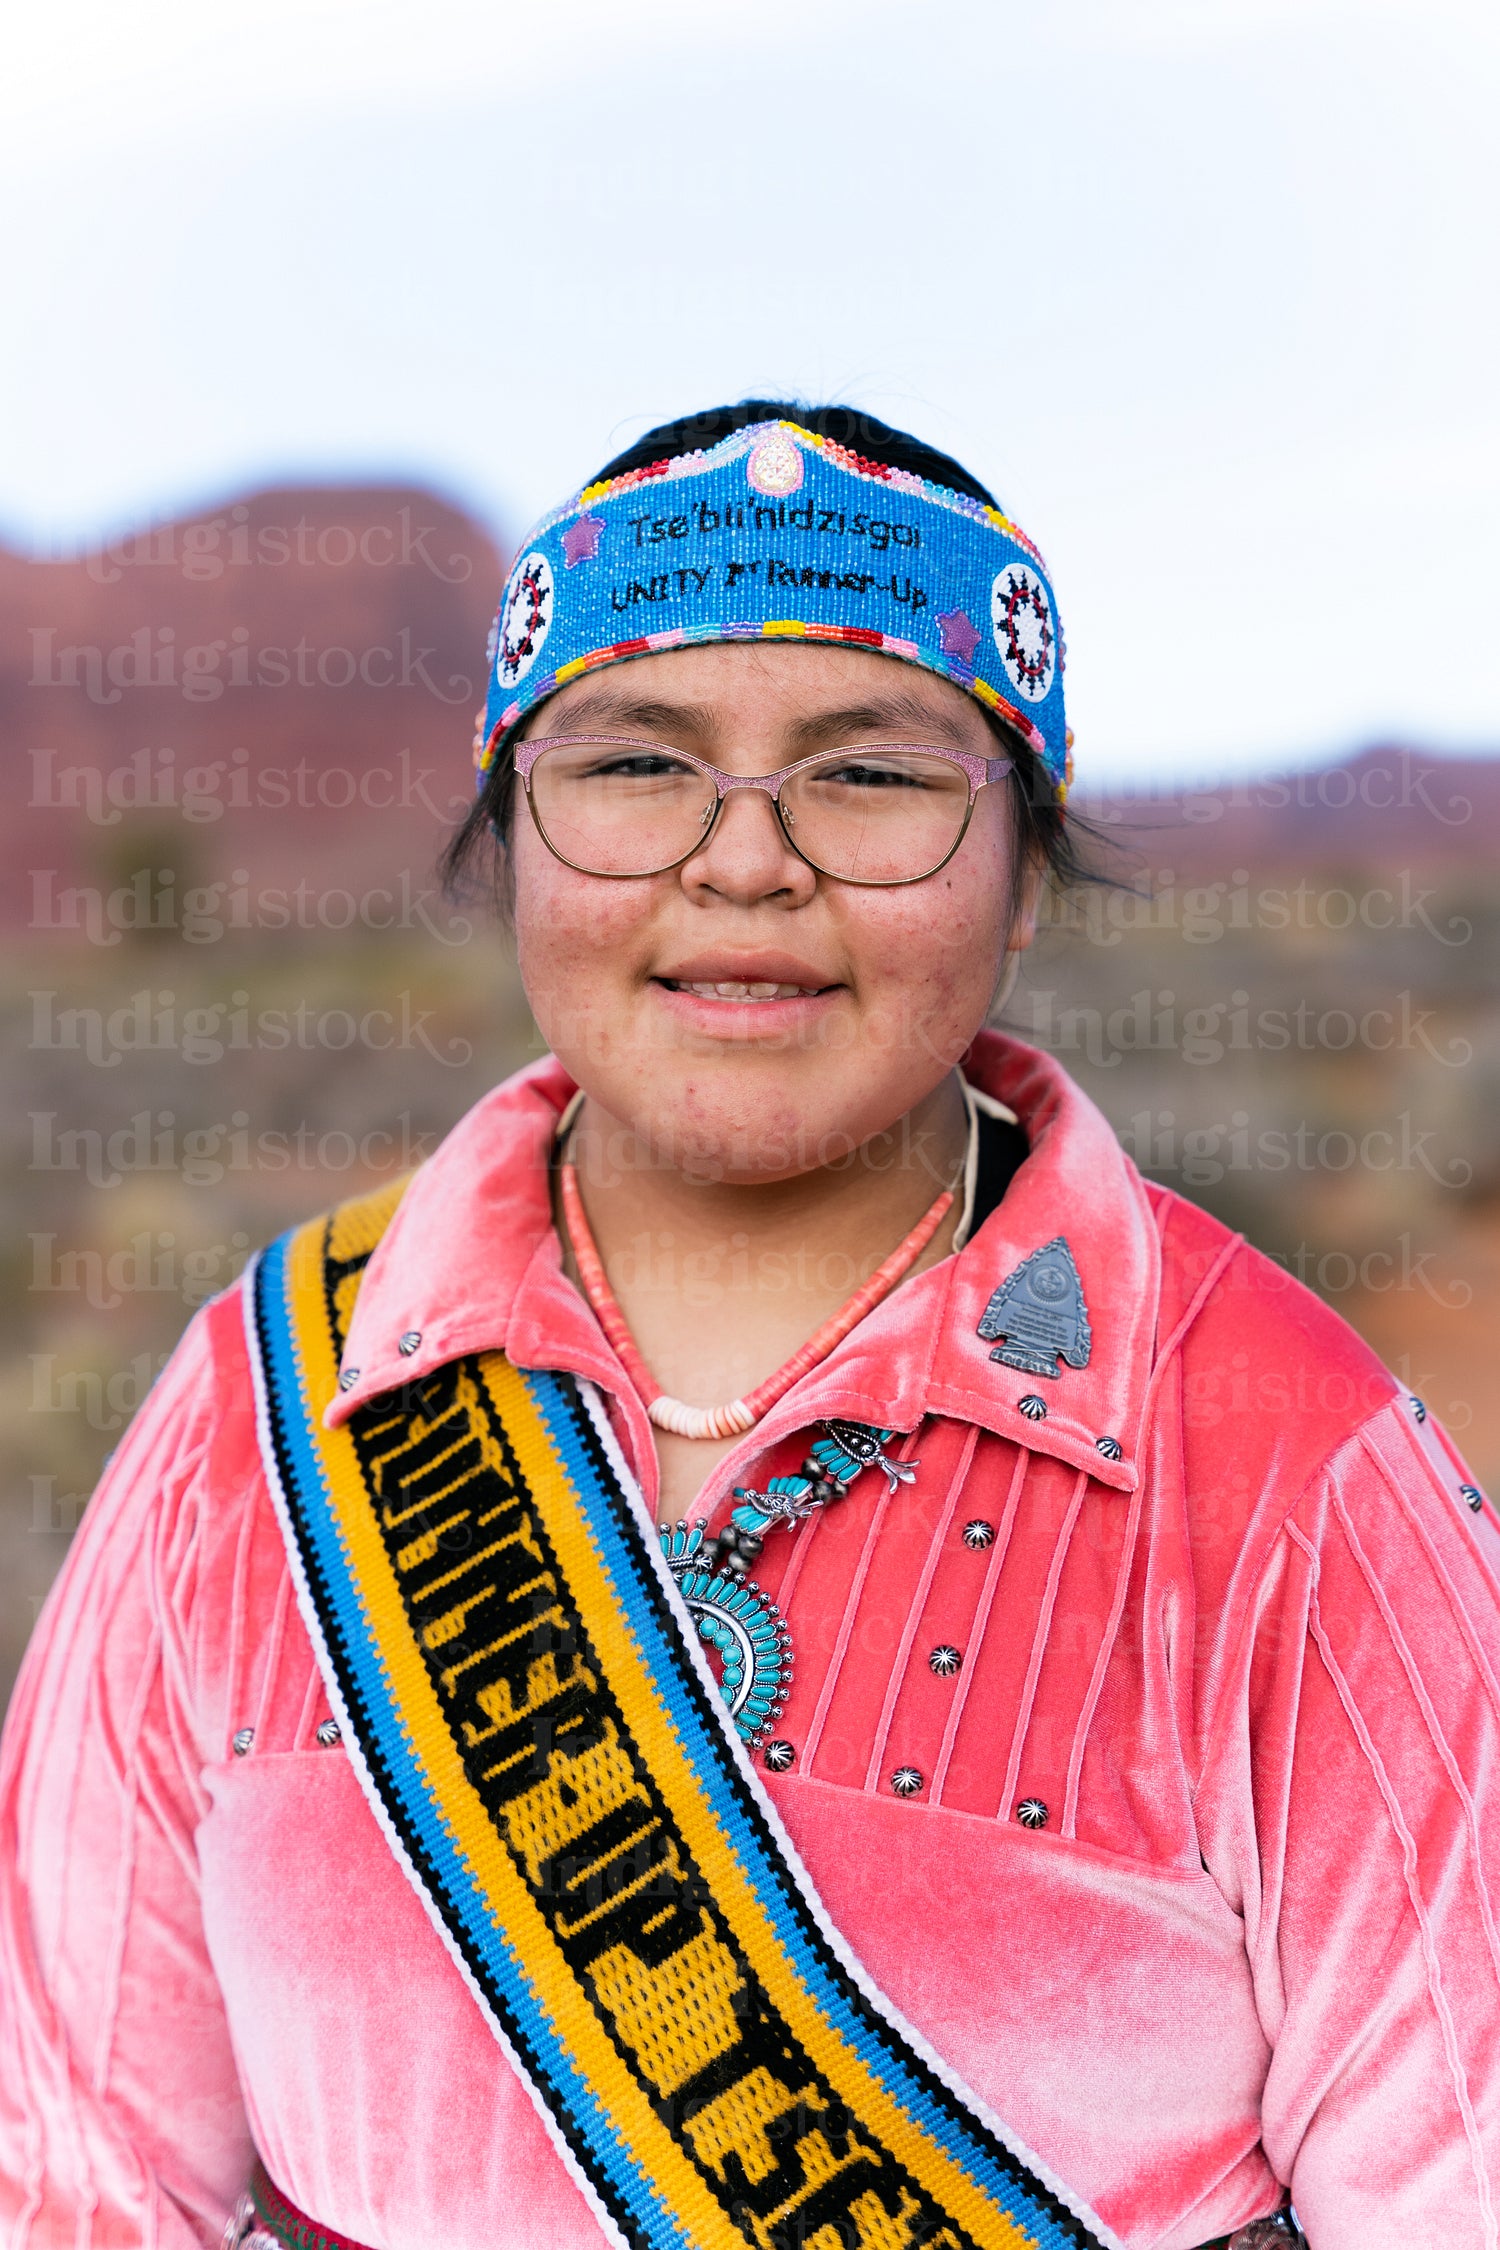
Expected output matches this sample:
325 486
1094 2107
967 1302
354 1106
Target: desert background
313 308
233 747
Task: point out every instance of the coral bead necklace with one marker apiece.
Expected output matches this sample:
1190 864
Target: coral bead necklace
741 1414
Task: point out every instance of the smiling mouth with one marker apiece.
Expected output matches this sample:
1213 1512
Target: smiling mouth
745 995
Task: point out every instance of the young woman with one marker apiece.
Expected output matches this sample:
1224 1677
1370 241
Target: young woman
779 1650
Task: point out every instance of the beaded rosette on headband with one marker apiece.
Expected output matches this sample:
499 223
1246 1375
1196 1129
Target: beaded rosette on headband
777 533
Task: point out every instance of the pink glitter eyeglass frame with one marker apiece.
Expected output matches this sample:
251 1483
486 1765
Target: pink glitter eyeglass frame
979 772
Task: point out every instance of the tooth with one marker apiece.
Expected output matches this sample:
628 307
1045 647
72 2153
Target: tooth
741 993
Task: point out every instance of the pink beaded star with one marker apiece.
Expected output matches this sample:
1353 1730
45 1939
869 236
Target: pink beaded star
959 636
580 542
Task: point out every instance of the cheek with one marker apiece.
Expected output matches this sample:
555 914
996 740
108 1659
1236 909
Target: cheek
965 922
569 925
942 939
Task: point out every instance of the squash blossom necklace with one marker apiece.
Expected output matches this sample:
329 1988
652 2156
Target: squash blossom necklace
730 1611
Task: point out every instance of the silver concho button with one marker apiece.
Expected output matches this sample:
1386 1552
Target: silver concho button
1034 1408
328 1733
779 1756
241 1740
1110 1447
945 1661
906 1781
979 1533
349 1378
1472 1494
1031 1813
409 1342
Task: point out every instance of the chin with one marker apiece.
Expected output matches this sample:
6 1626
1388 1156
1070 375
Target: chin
732 1127
741 1133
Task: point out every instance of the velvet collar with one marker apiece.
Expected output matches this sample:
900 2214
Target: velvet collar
471 1262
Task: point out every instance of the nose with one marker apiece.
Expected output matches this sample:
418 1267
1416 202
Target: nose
746 857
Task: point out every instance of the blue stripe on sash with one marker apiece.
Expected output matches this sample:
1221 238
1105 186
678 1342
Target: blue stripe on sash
363 1670
704 1743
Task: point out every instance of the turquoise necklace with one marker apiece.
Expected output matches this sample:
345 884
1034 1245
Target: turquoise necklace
730 1611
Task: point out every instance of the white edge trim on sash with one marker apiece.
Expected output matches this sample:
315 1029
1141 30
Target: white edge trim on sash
833 1937
366 1779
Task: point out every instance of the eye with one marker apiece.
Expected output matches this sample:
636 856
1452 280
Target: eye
870 777
637 765
861 774
890 772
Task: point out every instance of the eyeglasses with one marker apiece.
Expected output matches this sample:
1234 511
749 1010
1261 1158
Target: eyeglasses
869 812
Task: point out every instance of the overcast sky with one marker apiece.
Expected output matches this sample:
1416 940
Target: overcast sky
1208 290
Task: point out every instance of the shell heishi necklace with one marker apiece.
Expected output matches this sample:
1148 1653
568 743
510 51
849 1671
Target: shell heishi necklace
729 1610
741 1414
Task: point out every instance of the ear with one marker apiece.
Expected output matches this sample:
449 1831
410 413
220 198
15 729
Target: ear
1028 901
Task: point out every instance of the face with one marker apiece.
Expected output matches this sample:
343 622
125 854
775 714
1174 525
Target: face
847 1006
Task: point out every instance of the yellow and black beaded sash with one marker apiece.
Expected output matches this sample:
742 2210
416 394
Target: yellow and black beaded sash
539 1735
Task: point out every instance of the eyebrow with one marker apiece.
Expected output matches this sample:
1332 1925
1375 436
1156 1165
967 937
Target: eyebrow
602 708
876 713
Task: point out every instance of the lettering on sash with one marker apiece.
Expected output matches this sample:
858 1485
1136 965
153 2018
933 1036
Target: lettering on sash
548 1753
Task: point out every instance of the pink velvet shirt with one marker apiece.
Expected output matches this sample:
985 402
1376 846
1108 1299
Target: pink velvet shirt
1249 1667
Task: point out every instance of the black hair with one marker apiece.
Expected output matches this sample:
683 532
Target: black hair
847 425
1042 837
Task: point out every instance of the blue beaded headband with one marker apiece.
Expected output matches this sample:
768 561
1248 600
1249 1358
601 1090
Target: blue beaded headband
778 533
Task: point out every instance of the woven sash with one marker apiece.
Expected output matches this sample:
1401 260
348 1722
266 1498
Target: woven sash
537 1732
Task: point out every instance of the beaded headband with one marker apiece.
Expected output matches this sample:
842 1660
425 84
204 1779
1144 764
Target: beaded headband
777 533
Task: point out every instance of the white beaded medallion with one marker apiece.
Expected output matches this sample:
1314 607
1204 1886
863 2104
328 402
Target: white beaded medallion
525 618
1025 629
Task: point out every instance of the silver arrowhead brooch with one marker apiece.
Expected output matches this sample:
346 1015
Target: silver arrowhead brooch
1040 1314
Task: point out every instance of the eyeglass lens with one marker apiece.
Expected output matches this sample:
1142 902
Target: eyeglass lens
633 808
